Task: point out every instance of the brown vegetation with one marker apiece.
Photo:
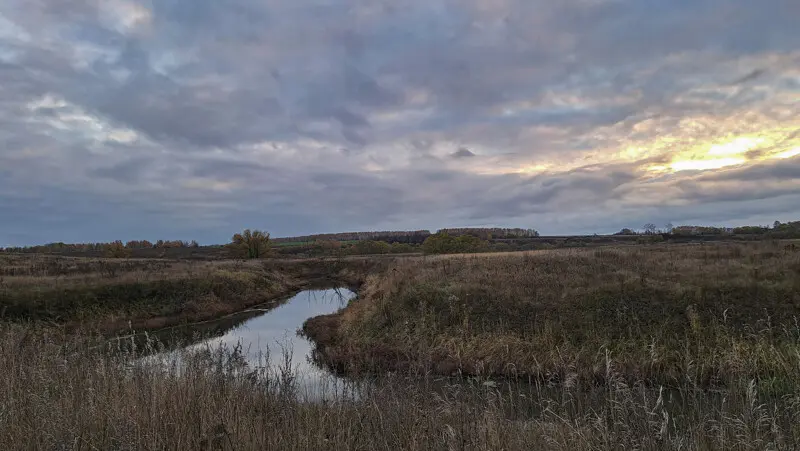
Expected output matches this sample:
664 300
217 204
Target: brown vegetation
64 392
113 294
709 314
250 244
631 347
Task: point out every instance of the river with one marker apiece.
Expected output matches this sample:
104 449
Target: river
268 340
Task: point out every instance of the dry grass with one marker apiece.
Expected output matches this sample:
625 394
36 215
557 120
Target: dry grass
612 348
710 314
114 294
59 393
48 271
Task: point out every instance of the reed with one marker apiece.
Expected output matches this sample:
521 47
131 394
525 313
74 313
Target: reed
64 392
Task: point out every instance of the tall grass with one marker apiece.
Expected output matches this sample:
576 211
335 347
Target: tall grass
658 347
63 392
115 294
710 314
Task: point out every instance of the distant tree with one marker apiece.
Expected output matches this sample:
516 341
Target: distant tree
490 233
668 227
443 243
439 243
789 229
401 248
625 231
650 228
117 250
250 244
750 230
403 236
372 247
326 247
469 243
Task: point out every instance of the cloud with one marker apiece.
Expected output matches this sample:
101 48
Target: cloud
201 117
462 152
750 77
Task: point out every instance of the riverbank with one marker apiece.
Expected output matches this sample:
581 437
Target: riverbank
100 398
112 295
714 315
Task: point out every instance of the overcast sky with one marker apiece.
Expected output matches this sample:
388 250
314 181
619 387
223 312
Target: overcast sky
192 119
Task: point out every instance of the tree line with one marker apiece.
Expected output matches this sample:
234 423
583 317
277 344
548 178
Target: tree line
402 236
258 244
412 236
490 232
59 247
778 230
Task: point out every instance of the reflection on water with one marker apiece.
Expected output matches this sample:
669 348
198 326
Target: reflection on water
266 338
269 340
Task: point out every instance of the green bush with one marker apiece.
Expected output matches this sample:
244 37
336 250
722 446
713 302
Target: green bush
442 243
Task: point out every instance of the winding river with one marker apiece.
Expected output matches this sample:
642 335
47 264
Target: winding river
268 340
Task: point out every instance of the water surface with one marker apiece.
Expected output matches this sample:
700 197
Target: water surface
269 339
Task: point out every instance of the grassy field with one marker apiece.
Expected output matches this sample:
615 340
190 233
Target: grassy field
114 294
689 347
711 315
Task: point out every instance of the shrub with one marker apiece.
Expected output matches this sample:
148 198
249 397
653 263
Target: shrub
442 243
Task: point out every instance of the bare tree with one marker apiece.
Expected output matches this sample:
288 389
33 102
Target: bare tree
650 228
250 244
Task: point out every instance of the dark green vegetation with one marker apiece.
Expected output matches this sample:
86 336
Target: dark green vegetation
443 243
396 236
778 230
627 347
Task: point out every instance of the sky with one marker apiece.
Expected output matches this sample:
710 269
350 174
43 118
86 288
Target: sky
194 119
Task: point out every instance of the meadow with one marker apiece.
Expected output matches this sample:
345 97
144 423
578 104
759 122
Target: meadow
708 314
623 347
110 294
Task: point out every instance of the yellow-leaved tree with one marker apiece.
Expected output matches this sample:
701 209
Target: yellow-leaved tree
117 250
250 244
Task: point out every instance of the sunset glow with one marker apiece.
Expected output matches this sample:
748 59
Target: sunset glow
735 147
183 118
734 152
789 153
701 165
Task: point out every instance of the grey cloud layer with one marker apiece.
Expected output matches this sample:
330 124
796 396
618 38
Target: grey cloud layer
197 117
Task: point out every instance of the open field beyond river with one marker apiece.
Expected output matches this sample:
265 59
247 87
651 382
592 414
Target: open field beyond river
707 314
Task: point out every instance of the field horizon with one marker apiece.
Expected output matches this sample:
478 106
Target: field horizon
652 346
